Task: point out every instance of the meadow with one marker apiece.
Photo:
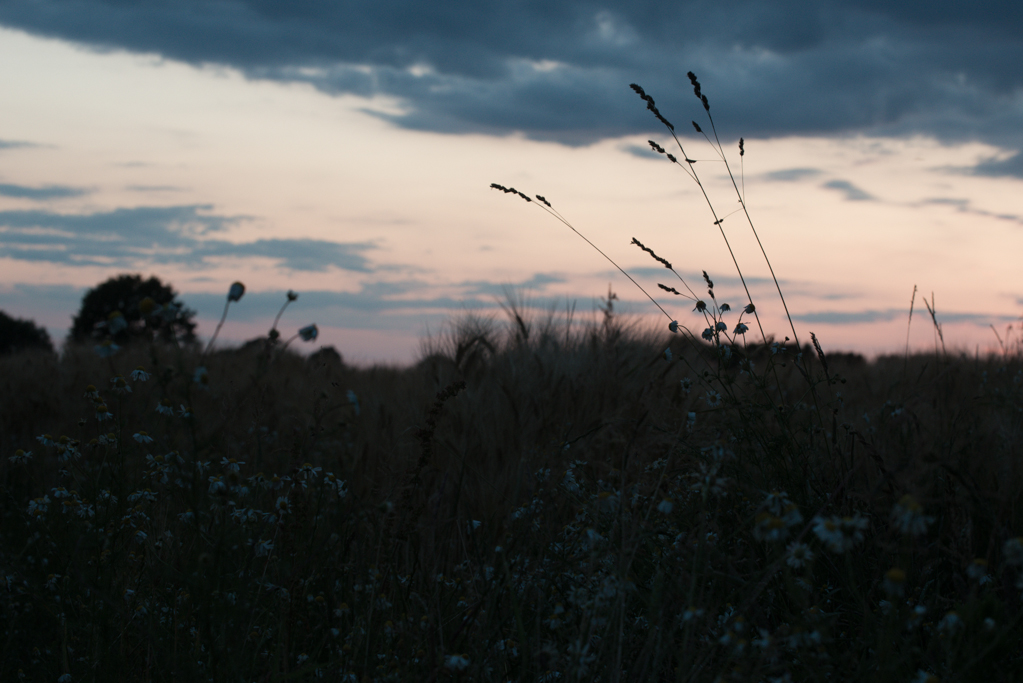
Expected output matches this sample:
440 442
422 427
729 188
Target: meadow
538 498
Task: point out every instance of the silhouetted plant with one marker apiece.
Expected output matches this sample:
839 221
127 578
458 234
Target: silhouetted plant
127 307
17 334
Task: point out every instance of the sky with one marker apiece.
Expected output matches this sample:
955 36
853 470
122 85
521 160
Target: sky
346 150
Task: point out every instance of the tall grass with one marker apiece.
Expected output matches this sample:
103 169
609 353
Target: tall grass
535 500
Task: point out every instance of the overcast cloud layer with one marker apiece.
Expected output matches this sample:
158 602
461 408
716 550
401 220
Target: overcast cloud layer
561 71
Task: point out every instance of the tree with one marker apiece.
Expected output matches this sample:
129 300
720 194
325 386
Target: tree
127 307
20 335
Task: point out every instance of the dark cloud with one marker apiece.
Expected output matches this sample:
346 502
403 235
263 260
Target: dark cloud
1013 166
852 193
560 71
873 316
40 193
173 234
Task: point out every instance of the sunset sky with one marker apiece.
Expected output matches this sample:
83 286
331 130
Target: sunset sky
345 150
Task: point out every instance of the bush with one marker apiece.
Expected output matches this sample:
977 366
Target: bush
19 335
127 307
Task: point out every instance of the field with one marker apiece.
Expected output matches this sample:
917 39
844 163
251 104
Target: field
531 501
538 499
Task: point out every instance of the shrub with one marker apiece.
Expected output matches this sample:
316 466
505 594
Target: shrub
19 335
127 307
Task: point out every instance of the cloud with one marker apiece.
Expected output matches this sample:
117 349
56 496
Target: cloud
14 144
873 316
789 175
1012 166
561 72
852 193
40 193
171 234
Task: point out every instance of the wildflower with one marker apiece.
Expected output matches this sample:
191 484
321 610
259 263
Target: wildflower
909 518
769 528
692 613
140 536
37 507
667 354
283 505
186 516
456 662
700 306
235 292
665 507
184 411
292 295
143 437
798 555
302 659
708 334
950 624
106 349
139 374
102 412
1013 551
894 582
147 307
673 326
201 377
230 465
840 533
741 328
164 407
353 399
750 308
720 327
687 385
712 398
307 470
977 570
116 322
217 485
20 457
724 308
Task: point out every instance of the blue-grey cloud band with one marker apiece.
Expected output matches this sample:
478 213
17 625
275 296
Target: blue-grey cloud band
170 234
559 71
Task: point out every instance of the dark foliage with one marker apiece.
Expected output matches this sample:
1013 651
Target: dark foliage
127 307
22 335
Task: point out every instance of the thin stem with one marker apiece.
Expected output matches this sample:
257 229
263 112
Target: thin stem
217 331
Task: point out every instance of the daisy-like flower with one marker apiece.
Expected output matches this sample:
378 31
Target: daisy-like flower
708 334
686 384
307 470
120 385
741 328
712 398
1013 551
148 307
116 322
20 457
894 582
720 327
750 308
292 295
950 624
665 507
673 326
92 393
37 507
283 505
139 374
106 349
164 407
337 484
102 412
724 308
456 662
143 437
231 465
309 333
909 518
667 354
798 555
840 534
217 485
